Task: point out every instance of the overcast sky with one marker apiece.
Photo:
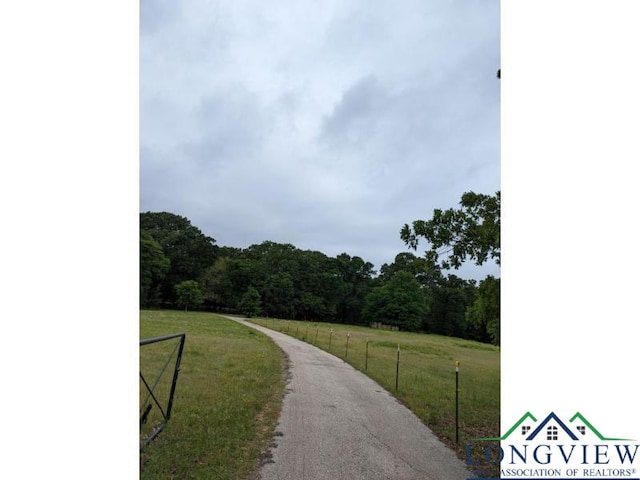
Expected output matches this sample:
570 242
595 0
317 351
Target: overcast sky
326 124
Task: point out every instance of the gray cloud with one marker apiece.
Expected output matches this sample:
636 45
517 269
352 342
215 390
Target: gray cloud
355 117
322 124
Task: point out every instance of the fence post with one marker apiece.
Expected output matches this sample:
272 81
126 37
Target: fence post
306 335
366 356
398 367
457 390
330 335
346 351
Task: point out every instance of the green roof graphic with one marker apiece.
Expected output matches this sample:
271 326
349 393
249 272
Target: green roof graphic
510 431
578 416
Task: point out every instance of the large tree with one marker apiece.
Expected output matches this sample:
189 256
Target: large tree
399 302
189 250
153 268
356 283
250 304
471 232
319 286
277 295
484 314
188 294
450 299
426 272
216 285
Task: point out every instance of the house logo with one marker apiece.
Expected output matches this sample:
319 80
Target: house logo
553 447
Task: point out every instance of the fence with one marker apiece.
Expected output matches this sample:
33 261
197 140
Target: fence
458 403
157 395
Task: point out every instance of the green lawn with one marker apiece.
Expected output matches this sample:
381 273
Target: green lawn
227 401
427 376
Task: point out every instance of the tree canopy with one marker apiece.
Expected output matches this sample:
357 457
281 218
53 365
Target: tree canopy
471 232
188 294
399 302
153 268
251 303
485 311
189 251
182 267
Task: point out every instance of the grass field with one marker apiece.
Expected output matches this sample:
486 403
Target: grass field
230 387
227 401
426 380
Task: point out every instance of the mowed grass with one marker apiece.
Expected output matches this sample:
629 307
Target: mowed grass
227 401
427 378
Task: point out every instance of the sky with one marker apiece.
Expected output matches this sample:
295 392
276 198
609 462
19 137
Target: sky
324 124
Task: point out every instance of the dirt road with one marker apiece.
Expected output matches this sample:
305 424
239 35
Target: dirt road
336 423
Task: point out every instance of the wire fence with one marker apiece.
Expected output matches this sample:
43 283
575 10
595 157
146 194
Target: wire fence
458 398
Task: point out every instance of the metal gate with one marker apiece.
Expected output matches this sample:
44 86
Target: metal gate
157 393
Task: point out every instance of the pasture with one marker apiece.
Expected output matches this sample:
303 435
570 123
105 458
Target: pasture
227 400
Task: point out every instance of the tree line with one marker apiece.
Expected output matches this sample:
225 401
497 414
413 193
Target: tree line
180 267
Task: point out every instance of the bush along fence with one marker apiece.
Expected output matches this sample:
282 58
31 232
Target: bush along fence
453 385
